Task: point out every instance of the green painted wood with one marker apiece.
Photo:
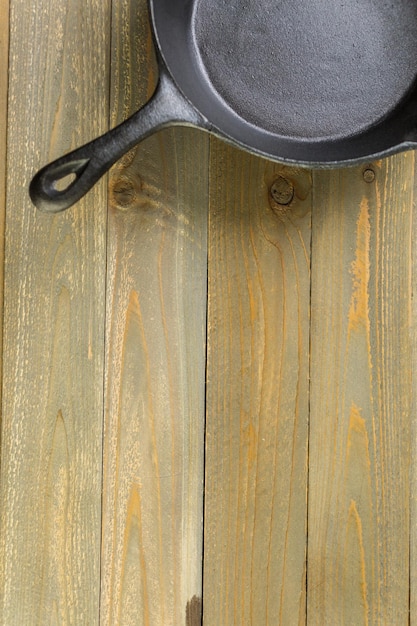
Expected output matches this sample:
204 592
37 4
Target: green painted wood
413 468
361 396
65 343
257 393
155 356
4 75
50 480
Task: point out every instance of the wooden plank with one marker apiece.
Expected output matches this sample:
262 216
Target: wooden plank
4 73
413 469
155 380
257 394
361 396
50 481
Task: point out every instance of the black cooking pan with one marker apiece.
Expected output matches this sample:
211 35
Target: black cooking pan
315 82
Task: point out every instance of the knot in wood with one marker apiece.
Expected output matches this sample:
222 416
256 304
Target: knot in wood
123 193
282 191
368 175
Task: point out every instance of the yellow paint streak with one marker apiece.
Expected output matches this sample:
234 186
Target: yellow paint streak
356 421
359 467
251 441
357 425
355 525
359 306
133 538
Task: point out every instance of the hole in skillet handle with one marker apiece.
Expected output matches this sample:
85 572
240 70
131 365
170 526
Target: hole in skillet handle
51 188
64 183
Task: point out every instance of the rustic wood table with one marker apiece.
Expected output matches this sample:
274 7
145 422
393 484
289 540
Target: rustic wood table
208 393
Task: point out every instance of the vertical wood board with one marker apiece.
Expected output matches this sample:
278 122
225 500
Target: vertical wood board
413 467
4 74
155 365
361 396
50 481
257 394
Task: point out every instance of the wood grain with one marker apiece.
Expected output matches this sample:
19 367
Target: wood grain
413 468
155 373
50 482
361 396
4 74
311 373
257 394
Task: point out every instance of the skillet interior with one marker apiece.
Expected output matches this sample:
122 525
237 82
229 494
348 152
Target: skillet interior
321 68
285 77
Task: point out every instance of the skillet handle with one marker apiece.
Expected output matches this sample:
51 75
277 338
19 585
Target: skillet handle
88 163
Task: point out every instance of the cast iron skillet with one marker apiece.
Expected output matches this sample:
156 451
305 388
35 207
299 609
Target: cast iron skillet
316 82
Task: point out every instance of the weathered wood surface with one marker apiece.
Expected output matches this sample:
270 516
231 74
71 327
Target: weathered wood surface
361 396
50 481
4 66
155 373
257 394
310 459
413 467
